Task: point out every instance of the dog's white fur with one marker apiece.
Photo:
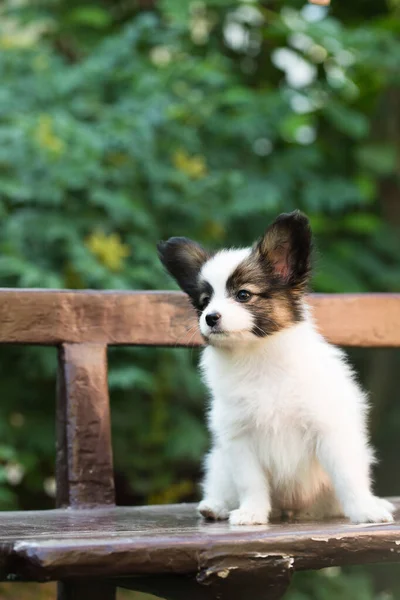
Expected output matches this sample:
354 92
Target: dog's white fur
287 417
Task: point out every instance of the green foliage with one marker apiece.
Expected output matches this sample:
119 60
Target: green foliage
330 584
119 129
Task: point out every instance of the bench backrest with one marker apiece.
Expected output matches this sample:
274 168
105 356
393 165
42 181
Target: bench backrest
82 324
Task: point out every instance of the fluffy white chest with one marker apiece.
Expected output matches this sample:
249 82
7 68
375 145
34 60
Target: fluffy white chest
259 392
273 397
263 401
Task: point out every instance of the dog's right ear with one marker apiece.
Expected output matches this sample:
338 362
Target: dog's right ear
183 259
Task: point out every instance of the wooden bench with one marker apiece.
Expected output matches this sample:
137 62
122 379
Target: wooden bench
91 546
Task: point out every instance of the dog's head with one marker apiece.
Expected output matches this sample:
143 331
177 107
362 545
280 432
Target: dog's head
250 293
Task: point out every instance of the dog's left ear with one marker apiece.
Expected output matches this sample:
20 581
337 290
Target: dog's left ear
287 246
183 259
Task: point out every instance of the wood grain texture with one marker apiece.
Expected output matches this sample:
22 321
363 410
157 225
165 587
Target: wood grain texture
167 319
369 320
172 540
84 454
53 317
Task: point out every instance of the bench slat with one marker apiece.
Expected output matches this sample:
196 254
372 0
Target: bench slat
145 541
53 317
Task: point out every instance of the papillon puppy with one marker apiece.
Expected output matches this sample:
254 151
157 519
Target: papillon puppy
288 419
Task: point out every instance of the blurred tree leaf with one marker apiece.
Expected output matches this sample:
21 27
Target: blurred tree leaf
92 16
379 158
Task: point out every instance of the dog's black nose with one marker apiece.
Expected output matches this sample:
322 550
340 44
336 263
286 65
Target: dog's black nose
212 319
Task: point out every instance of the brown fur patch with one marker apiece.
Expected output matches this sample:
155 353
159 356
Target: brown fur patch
271 305
286 246
277 273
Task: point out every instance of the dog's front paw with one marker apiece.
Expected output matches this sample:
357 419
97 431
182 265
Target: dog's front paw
212 510
245 516
372 510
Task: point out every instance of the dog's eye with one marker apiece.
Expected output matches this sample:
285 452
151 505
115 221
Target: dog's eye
243 295
204 300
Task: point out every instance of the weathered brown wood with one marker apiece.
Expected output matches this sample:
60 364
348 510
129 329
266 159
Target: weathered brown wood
172 540
53 317
222 581
84 453
166 318
368 320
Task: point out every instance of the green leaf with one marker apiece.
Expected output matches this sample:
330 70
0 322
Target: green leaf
332 276
379 158
91 16
363 223
350 122
176 10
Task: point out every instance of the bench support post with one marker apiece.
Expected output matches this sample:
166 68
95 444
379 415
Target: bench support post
84 468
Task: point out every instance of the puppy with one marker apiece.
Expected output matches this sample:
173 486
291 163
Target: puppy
287 417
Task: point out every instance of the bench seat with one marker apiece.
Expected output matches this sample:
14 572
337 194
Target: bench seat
92 547
158 540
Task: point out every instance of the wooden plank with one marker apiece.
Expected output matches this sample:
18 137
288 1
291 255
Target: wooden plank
172 540
166 318
52 317
84 453
368 320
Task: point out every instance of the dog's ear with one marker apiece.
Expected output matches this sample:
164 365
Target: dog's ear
287 247
183 259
